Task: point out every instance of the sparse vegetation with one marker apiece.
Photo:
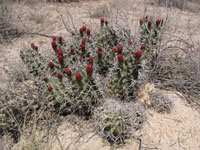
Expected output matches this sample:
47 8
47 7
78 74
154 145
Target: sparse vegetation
106 74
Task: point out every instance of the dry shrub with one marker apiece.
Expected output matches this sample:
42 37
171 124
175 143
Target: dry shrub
179 72
8 30
191 5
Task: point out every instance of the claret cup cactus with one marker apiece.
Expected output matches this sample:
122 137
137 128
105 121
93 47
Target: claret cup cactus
76 78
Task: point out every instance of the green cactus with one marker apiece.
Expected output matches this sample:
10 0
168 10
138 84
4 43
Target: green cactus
150 31
122 83
113 122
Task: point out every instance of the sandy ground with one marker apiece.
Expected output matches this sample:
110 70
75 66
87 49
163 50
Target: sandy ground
175 131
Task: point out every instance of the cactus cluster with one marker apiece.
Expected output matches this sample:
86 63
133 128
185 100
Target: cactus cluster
150 31
71 77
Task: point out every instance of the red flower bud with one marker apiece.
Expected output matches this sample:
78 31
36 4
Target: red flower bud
32 45
54 38
143 46
89 70
141 21
120 58
84 28
73 33
149 23
114 50
157 22
135 43
146 17
60 58
90 59
88 32
129 42
102 21
68 72
81 31
59 75
59 51
53 45
99 54
36 48
45 79
50 88
83 48
78 77
60 39
72 50
106 22
119 48
83 41
138 54
51 65
99 49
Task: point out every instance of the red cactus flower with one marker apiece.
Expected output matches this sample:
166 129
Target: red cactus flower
90 59
89 70
60 39
83 41
36 48
129 42
32 45
80 58
146 17
78 77
59 51
141 21
102 21
81 31
157 22
120 58
135 43
119 49
83 48
51 65
138 54
60 58
59 75
106 22
73 33
72 50
84 28
68 72
88 31
149 23
53 44
53 37
99 49
143 46
99 54
45 79
114 50
50 88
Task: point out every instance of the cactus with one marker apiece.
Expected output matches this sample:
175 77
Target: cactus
117 121
150 31
112 121
71 77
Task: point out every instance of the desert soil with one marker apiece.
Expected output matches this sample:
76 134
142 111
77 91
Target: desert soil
175 131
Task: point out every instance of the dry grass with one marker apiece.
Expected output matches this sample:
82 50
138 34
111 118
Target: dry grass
182 76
